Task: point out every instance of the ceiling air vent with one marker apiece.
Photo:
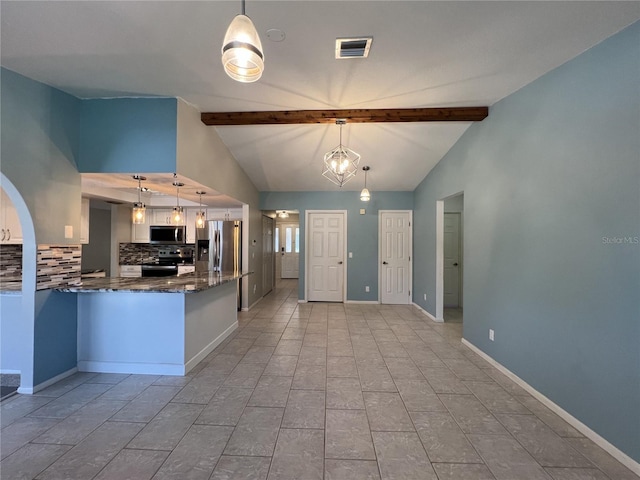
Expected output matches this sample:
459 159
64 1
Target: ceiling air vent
353 47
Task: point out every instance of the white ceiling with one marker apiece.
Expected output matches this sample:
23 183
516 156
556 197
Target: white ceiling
424 54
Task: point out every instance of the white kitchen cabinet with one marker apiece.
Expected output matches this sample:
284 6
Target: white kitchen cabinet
140 232
130 270
161 216
10 229
191 224
84 221
182 269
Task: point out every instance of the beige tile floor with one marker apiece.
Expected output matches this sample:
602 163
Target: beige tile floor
303 391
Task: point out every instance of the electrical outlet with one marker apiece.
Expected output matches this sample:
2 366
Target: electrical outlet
425 297
491 336
366 289
350 254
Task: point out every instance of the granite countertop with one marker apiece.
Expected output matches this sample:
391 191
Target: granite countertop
189 283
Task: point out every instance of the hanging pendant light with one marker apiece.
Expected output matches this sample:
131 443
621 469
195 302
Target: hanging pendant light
139 209
341 163
242 55
365 196
201 216
177 216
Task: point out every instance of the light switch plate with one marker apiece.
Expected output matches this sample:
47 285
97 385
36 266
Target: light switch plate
68 231
362 211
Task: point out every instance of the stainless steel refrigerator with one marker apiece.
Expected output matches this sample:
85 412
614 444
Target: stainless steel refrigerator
219 249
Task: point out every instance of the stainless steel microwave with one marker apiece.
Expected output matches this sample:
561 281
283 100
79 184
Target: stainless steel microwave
168 234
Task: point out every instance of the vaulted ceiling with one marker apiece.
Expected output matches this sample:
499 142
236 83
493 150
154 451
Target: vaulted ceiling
424 54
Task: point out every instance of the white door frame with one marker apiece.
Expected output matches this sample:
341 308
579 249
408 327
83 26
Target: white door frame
344 253
439 317
410 279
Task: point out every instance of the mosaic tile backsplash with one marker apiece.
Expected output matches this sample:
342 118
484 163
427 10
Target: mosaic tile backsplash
58 265
137 253
10 263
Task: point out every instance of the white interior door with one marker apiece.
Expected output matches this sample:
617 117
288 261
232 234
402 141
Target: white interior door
451 260
325 256
395 257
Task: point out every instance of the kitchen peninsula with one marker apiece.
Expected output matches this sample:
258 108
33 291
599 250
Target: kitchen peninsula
153 325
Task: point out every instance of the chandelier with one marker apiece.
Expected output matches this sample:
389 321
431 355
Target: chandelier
341 163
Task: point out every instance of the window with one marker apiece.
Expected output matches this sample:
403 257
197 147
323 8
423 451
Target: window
288 240
297 240
277 242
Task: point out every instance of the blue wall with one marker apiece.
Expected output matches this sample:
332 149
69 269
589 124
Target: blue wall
548 178
362 230
128 135
55 334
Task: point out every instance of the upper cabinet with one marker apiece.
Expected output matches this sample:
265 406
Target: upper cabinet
11 231
161 216
84 221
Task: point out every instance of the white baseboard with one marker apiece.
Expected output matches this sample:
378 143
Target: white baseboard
132 368
47 383
431 317
363 302
612 450
209 348
252 305
302 300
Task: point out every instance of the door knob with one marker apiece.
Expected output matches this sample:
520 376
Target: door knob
385 263
340 262
455 264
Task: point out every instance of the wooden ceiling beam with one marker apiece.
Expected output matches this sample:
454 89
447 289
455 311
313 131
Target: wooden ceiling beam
451 114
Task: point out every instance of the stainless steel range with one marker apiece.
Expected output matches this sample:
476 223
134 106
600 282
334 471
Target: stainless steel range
167 263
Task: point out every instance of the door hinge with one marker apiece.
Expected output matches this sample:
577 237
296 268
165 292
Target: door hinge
409 292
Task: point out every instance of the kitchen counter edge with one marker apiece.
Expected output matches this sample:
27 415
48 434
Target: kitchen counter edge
188 283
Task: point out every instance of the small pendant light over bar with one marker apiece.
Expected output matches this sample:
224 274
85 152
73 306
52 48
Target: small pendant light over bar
341 163
201 216
177 216
139 209
365 196
242 55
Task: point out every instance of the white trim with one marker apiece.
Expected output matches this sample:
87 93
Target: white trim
363 302
252 305
612 450
133 368
197 358
47 383
5 371
302 300
439 258
345 263
431 317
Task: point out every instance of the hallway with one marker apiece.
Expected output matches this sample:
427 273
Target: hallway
304 391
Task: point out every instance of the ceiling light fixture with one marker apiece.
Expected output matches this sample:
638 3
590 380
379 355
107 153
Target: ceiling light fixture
177 216
201 216
242 55
365 196
341 163
283 214
139 209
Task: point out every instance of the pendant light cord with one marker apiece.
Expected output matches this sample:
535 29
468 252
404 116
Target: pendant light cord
242 7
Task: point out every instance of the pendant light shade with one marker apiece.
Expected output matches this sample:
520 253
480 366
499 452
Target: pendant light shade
341 163
201 216
177 216
365 196
138 212
242 55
